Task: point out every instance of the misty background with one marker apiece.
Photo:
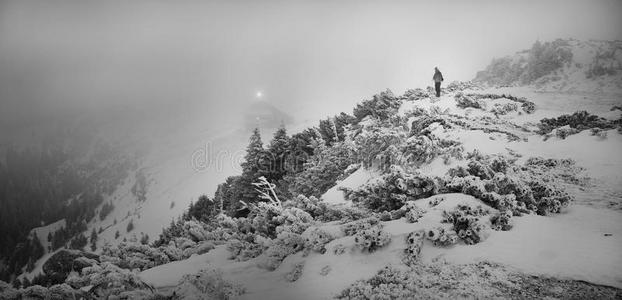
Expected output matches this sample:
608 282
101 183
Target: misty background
153 66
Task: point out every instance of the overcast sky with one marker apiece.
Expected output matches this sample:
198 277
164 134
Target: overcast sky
135 59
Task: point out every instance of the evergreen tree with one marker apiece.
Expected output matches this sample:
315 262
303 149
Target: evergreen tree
31 265
144 239
203 210
254 166
278 150
116 235
254 160
130 225
93 240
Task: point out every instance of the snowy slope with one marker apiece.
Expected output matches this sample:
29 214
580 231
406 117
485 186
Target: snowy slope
583 243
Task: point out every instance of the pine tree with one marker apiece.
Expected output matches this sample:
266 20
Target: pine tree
130 225
93 240
144 239
278 150
116 235
31 265
255 155
254 166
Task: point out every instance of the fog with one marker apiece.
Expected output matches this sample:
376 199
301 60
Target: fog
134 62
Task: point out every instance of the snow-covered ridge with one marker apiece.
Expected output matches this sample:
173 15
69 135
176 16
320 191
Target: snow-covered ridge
561 65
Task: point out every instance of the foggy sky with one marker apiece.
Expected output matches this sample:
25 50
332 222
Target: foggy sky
138 61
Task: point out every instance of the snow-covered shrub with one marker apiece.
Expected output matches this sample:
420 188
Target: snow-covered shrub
243 250
107 280
139 256
415 94
457 86
435 201
263 219
339 249
580 120
414 242
464 101
295 273
602 134
468 225
372 239
389 283
440 236
548 198
309 204
322 169
424 121
565 131
413 212
382 106
207 284
376 142
285 244
317 238
502 221
506 186
393 189
503 109
293 220
357 226
385 216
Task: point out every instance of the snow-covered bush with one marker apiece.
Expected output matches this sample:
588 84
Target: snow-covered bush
565 131
311 205
293 220
207 284
393 189
107 280
415 94
377 142
502 221
295 273
285 244
243 250
440 236
503 109
372 239
413 212
381 106
263 219
357 226
468 225
322 169
414 242
389 283
57 291
464 101
435 201
139 256
602 134
579 120
317 238
339 249
520 189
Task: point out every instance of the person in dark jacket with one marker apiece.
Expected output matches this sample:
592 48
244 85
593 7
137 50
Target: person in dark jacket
438 78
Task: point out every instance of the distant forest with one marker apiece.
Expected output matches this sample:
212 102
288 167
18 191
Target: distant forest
52 181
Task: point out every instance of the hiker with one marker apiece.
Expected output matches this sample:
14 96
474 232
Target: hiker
438 78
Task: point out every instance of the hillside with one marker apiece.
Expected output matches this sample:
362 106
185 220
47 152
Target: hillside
493 190
561 66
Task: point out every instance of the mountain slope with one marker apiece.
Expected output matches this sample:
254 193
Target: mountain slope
560 65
